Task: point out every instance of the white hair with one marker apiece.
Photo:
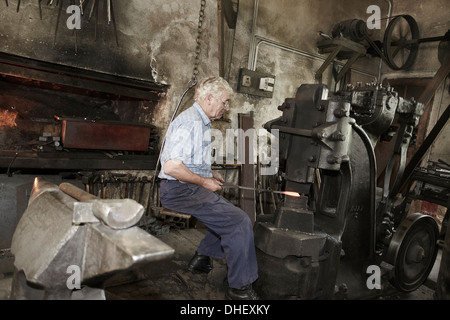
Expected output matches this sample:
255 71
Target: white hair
212 85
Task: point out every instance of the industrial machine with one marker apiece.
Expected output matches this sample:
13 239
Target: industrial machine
343 238
350 40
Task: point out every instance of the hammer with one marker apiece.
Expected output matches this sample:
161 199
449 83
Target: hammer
115 213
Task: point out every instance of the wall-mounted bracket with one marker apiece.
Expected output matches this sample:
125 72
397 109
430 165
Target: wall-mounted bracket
256 83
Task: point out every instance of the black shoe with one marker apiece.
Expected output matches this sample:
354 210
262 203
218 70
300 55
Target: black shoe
243 293
200 264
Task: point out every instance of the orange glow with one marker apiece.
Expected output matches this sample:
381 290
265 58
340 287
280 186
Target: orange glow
291 193
8 118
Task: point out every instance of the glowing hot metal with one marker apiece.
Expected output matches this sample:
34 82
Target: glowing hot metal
287 193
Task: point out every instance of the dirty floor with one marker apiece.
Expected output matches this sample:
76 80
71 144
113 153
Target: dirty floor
170 280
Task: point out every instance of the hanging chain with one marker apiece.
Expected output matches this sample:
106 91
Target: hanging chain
192 83
198 41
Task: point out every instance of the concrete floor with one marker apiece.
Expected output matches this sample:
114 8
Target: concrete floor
169 279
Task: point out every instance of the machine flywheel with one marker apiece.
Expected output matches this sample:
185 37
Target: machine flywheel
401 42
412 251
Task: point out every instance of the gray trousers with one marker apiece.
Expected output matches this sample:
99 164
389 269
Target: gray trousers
230 230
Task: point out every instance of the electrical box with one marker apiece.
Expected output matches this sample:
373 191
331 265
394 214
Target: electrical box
256 83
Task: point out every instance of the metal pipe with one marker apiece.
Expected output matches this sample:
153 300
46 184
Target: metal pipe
256 41
251 64
299 52
281 46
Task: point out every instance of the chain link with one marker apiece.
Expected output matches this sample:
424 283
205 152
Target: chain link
198 41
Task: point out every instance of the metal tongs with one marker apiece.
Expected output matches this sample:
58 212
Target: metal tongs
287 193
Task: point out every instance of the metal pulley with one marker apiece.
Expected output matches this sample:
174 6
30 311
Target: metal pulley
355 30
401 42
398 50
412 251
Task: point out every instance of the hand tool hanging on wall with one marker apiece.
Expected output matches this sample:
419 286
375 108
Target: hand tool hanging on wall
81 6
75 31
94 4
57 19
108 10
59 4
94 7
111 16
108 13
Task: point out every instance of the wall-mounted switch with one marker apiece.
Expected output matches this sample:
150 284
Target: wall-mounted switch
246 81
266 84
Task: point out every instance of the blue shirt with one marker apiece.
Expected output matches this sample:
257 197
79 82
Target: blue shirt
188 139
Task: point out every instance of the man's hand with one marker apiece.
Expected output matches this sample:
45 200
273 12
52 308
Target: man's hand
215 183
217 176
179 171
212 184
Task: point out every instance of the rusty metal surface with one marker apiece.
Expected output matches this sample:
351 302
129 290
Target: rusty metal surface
75 160
84 134
67 76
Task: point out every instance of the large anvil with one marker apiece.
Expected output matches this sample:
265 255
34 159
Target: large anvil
65 229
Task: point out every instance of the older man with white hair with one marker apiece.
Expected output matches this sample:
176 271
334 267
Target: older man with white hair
188 185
